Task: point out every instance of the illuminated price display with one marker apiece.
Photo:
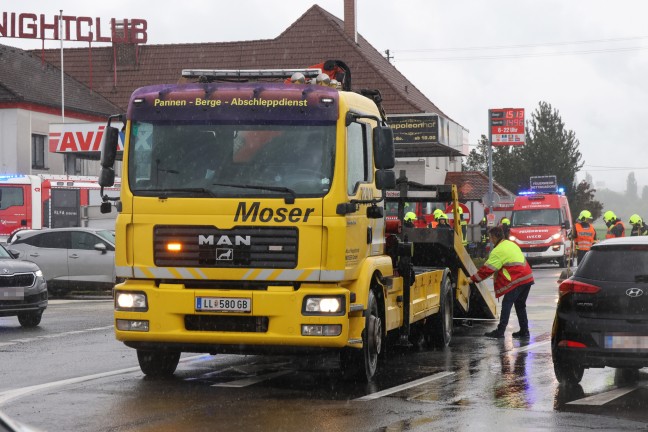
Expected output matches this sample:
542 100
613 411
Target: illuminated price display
506 126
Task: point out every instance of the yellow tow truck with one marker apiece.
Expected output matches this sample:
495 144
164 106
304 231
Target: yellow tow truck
251 220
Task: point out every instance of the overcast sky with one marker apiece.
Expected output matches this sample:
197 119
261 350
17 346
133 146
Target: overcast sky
587 58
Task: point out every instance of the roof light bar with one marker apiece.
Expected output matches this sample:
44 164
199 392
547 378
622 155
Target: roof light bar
249 73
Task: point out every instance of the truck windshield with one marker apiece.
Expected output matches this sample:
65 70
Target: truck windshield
549 217
230 160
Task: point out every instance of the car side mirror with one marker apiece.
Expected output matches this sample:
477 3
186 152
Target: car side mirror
101 247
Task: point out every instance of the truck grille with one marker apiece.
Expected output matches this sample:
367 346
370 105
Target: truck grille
207 246
17 280
249 324
535 249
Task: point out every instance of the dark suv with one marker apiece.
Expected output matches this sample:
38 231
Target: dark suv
602 314
23 290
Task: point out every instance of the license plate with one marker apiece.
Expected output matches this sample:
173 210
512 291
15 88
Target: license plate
532 254
13 293
224 304
621 341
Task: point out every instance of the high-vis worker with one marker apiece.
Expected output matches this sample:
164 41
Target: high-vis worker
615 226
584 235
513 280
639 227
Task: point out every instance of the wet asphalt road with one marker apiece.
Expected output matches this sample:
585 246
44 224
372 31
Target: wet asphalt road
71 375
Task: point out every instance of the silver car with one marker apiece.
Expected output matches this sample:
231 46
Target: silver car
70 258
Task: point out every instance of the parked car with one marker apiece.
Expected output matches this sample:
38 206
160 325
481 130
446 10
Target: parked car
23 290
70 258
602 314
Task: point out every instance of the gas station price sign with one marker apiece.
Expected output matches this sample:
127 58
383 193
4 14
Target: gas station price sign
506 126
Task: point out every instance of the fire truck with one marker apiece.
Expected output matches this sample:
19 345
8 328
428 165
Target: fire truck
38 201
252 220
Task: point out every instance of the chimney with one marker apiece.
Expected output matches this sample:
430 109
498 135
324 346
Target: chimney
350 19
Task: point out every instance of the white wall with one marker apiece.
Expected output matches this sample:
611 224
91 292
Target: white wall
16 129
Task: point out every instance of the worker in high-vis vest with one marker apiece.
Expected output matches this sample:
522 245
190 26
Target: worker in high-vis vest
513 280
506 226
615 226
584 235
639 227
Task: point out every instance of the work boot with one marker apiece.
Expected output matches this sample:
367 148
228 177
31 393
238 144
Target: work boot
522 334
494 334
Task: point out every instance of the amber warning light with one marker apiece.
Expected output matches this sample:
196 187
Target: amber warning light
174 247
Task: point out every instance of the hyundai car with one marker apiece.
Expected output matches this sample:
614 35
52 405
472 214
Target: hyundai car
602 314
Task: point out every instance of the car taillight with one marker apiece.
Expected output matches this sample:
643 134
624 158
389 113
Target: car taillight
572 286
571 344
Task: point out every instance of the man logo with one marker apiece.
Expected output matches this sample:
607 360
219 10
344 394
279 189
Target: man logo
224 254
634 292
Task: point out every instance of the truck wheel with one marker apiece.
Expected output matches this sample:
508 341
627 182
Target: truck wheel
158 363
363 363
30 319
439 326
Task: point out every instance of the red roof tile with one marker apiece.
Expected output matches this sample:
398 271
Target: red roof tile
473 185
315 36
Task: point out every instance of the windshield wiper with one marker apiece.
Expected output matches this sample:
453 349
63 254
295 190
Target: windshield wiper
283 189
164 193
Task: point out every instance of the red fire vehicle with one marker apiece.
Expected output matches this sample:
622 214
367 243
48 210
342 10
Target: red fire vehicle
539 225
54 201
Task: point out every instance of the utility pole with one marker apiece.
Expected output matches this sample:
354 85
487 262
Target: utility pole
389 57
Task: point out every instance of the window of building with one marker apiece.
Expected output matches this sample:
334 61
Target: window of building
38 151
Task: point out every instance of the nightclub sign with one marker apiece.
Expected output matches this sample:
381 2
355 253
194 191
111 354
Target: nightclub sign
71 28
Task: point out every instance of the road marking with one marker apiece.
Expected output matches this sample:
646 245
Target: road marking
603 398
405 386
55 335
245 382
530 346
10 395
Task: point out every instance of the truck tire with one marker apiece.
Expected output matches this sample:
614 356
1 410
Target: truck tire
362 364
439 326
158 363
30 319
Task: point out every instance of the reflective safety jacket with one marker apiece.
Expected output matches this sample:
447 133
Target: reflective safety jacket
616 230
585 236
511 270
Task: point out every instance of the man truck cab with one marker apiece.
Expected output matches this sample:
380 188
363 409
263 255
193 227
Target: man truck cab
540 223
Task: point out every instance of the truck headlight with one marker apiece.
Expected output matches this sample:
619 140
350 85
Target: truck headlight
555 236
131 301
323 305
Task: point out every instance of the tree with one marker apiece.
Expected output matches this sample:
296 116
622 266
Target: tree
550 149
631 186
584 200
478 157
644 194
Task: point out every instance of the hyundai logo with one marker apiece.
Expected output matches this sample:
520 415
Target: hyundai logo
634 292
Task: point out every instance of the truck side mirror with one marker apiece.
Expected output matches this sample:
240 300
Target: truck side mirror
109 143
383 146
107 177
385 179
